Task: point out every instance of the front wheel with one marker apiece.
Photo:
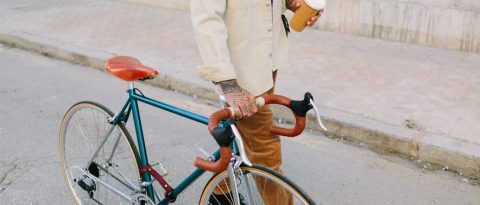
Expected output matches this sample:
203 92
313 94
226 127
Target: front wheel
256 185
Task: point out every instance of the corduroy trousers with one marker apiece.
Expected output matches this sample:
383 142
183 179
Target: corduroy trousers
264 149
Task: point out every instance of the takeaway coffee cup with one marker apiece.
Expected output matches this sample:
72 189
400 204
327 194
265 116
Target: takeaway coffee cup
307 10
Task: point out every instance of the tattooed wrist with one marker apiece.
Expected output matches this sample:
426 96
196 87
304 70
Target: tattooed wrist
238 98
230 86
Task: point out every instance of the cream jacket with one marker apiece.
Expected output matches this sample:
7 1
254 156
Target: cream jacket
240 39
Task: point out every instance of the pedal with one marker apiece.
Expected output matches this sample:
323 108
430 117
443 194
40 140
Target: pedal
89 188
162 171
86 187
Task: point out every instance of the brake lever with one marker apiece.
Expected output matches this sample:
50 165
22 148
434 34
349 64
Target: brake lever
312 103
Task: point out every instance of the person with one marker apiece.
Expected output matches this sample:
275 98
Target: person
242 44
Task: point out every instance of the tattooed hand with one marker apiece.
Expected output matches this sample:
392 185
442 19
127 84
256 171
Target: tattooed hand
242 101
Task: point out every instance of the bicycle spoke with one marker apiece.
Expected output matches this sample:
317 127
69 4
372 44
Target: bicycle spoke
82 133
249 182
228 191
101 145
214 197
277 196
114 148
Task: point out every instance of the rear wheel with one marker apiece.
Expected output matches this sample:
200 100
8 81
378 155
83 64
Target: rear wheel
91 146
256 185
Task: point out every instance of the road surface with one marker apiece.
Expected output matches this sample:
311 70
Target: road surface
35 91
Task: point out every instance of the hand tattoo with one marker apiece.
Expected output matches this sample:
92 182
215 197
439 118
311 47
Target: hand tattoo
242 101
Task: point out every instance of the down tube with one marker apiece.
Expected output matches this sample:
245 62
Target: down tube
189 180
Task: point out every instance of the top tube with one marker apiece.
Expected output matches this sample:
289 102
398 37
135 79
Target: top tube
169 108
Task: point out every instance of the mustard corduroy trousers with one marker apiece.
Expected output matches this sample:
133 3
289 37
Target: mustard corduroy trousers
264 149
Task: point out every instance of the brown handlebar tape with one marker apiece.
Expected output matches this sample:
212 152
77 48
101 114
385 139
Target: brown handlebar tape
226 152
216 117
218 166
299 121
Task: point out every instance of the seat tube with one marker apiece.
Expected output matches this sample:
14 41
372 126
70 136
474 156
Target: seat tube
140 139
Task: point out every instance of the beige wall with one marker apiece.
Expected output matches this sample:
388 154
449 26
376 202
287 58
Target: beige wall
170 4
453 24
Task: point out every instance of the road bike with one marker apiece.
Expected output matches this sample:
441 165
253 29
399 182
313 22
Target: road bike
102 164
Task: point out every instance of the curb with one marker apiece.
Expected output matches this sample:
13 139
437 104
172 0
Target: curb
94 59
457 155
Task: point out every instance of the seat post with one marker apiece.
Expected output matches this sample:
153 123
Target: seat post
130 85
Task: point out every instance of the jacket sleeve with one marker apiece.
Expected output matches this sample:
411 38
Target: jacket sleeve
211 36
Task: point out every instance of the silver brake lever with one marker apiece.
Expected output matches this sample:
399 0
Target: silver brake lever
312 103
241 146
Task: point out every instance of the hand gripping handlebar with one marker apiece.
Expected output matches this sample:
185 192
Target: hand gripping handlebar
224 135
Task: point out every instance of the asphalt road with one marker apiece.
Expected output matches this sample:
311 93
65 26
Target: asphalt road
35 91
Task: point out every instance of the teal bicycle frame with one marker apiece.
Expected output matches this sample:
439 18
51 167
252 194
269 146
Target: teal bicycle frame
132 106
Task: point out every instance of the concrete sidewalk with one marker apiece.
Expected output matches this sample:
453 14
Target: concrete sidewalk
419 102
